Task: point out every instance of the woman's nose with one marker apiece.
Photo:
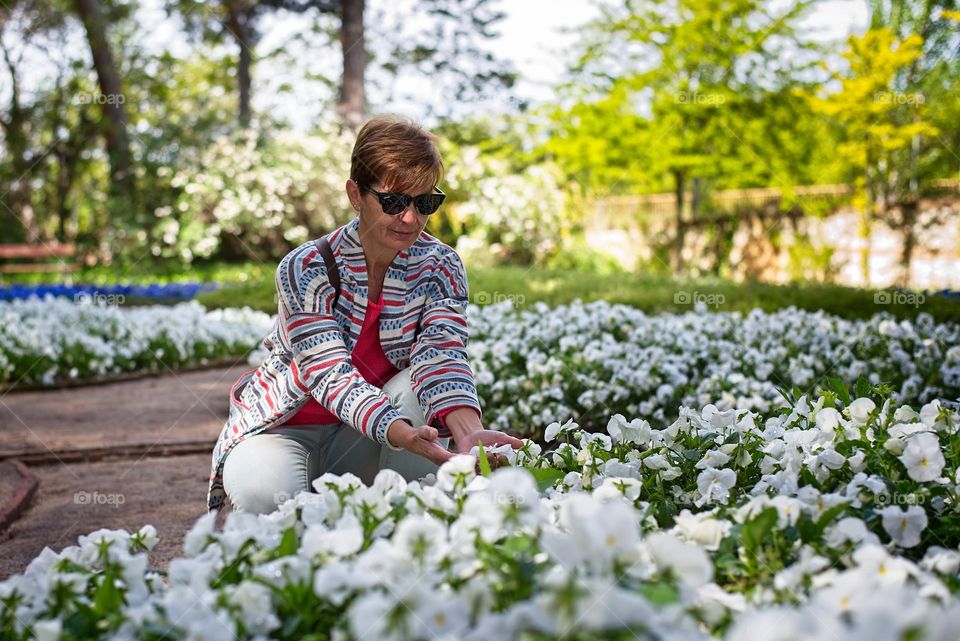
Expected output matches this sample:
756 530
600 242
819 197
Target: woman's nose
409 215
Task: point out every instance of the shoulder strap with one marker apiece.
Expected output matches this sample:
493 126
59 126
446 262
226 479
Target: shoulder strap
333 273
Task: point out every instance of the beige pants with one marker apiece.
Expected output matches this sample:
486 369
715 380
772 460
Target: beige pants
264 470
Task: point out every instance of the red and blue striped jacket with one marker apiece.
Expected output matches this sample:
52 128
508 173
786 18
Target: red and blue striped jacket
422 326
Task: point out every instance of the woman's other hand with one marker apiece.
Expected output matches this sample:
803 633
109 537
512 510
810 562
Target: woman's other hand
421 441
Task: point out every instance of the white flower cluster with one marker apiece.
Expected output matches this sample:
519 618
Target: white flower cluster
781 535
588 361
53 340
517 216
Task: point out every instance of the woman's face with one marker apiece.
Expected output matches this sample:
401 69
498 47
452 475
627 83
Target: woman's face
380 230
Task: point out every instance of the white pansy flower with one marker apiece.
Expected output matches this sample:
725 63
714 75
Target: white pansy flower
930 415
941 560
923 457
859 411
689 563
906 525
714 485
828 419
636 431
713 458
849 530
254 602
555 429
456 473
702 529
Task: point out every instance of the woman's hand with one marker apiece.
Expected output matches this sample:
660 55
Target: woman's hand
421 441
487 438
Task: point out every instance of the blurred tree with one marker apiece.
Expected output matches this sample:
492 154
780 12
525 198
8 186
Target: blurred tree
448 47
932 80
442 41
238 21
22 24
352 101
930 77
668 93
111 101
870 112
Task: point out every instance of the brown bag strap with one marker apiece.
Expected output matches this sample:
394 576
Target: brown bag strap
333 273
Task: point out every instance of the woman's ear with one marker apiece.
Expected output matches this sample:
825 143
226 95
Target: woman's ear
353 193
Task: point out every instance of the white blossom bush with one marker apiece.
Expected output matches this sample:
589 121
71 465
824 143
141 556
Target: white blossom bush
53 340
521 217
273 194
826 519
588 361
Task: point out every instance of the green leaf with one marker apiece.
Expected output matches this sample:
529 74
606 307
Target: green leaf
484 461
862 387
545 477
288 543
108 598
659 594
755 530
840 389
827 518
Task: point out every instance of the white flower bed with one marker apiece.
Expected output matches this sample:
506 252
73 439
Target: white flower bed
820 521
588 361
54 340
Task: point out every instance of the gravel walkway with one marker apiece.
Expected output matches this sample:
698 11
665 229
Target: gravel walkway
78 498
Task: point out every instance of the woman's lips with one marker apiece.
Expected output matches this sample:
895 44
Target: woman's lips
404 234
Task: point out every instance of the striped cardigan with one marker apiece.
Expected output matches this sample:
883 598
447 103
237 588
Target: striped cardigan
422 326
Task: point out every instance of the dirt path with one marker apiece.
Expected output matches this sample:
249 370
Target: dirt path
78 498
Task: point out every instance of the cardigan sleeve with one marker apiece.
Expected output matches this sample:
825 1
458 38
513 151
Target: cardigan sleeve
440 372
321 364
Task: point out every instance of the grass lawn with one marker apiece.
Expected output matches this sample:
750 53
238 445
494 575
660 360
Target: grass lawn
650 293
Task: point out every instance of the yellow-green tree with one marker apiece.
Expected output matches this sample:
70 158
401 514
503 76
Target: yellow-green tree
687 95
877 121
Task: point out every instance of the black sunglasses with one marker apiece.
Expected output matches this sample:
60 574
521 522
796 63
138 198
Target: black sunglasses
394 204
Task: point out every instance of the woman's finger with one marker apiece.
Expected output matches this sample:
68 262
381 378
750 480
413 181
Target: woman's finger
506 439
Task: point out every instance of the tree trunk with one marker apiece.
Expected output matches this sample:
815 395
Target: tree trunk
680 231
18 196
866 218
696 194
352 103
909 210
111 101
237 20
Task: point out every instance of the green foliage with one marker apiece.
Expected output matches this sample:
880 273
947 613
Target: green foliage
671 91
648 292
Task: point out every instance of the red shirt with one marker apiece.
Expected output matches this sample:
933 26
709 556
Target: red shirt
370 361
367 357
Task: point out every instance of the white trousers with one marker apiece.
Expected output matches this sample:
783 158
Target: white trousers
264 470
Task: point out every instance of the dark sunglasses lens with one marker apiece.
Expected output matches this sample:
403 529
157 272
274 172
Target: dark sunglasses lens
428 203
393 204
